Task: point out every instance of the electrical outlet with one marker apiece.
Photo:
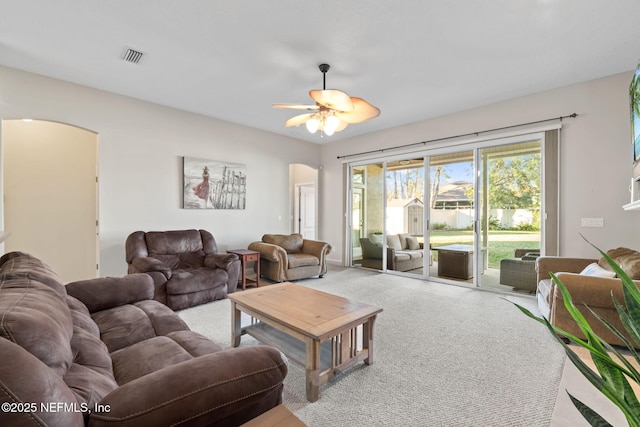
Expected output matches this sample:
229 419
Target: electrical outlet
592 222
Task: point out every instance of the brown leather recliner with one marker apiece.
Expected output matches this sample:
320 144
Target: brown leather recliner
291 257
100 352
184 264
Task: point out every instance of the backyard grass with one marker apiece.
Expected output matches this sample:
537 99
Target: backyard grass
502 243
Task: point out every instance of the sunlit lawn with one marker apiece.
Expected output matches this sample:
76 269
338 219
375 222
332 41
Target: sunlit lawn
501 243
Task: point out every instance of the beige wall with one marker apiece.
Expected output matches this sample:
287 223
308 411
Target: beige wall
140 157
595 159
50 195
141 145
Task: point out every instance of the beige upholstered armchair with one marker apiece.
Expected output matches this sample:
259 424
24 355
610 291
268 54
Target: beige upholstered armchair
592 286
290 257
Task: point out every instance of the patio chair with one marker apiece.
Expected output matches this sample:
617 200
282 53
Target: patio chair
520 271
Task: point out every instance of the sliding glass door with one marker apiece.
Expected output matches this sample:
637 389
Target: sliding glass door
367 216
405 216
510 197
387 216
451 216
471 214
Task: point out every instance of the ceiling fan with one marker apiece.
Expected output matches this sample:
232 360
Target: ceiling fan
334 109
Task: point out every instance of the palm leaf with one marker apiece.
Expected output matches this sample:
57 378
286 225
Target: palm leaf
594 418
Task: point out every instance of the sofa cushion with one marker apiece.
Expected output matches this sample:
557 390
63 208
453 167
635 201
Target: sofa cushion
173 242
543 295
37 318
27 379
302 260
406 255
129 324
191 280
191 259
393 241
20 264
402 256
292 243
108 292
412 243
194 343
595 270
142 358
403 240
170 261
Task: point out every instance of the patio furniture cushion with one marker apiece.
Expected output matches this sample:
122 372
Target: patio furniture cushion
412 243
393 241
402 256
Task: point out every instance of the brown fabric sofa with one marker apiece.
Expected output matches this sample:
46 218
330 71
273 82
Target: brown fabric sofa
592 291
184 264
100 352
291 257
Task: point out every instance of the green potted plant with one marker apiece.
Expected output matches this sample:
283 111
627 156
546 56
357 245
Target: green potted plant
614 370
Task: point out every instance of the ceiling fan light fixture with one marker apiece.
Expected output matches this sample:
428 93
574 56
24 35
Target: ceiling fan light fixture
335 110
331 123
313 124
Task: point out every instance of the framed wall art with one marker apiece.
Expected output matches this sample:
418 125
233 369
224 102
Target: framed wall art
212 184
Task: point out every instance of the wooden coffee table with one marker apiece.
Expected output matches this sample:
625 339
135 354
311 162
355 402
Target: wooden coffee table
323 332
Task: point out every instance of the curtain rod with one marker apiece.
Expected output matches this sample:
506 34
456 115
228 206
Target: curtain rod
381 150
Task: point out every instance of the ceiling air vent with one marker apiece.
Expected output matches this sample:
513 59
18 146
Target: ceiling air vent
131 55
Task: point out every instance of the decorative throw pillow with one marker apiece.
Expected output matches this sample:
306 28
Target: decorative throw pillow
627 259
595 270
393 241
412 243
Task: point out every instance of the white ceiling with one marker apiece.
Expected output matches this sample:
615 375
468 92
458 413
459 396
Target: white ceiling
231 59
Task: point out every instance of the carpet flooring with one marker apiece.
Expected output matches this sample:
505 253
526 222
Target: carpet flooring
444 356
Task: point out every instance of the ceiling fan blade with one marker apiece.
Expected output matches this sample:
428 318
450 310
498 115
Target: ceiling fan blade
297 120
333 99
342 126
296 106
361 112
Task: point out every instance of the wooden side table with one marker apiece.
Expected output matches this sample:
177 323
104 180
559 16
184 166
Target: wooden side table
246 256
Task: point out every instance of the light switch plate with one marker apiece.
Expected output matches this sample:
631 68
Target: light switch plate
592 222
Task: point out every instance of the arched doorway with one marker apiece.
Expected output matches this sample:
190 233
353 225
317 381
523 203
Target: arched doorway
50 195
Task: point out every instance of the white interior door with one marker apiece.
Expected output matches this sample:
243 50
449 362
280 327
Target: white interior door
307 211
50 195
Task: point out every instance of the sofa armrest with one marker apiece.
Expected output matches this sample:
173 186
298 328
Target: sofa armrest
592 291
554 264
316 248
228 387
108 292
148 264
391 259
223 261
270 252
